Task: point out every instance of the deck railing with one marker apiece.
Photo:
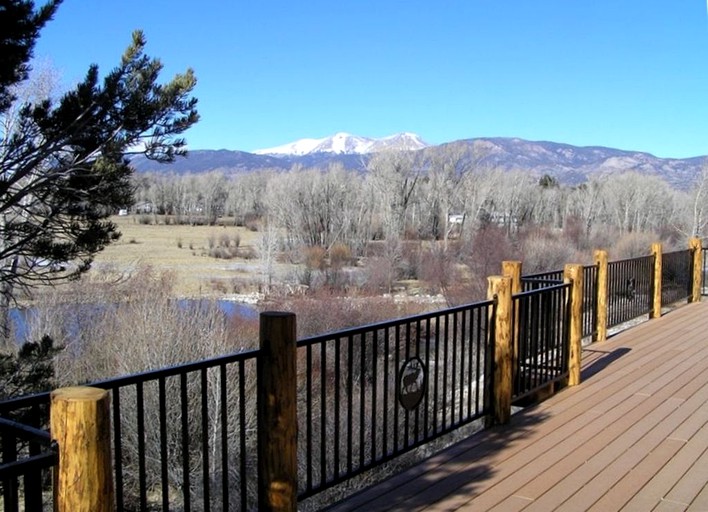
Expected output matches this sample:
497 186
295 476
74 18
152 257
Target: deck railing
186 437
590 293
704 270
181 436
542 279
373 393
676 276
29 453
630 288
540 355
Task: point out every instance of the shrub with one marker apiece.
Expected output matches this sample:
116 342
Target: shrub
252 222
633 245
247 253
314 257
543 250
339 255
438 267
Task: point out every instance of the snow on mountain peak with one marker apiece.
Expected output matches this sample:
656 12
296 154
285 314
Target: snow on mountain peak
346 143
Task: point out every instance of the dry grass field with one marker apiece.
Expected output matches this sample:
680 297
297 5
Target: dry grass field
185 250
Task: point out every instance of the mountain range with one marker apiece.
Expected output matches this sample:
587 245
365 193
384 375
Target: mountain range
568 164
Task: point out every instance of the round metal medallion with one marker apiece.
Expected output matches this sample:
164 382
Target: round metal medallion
411 383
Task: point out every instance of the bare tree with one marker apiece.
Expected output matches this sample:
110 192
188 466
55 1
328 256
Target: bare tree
395 176
267 247
698 203
448 170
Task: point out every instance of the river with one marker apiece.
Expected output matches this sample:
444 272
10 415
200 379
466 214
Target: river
20 317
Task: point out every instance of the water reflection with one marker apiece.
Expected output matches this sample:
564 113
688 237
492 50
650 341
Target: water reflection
22 318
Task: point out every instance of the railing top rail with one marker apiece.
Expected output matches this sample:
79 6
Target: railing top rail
625 260
390 323
541 291
541 275
126 380
175 370
541 281
29 464
25 432
20 402
671 253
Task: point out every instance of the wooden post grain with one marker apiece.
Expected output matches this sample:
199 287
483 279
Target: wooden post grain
697 282
512 269
80 424
500 289
600 331
574 273
277 413
656 251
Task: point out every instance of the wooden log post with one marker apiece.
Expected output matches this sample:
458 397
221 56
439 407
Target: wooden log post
574 274
600 331
80 424
500 289
656 251
277 413
512 269
697 282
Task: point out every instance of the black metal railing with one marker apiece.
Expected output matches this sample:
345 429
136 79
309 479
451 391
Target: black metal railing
704 273
370 394
183 437
540 354
676 276
589 299
27 456
629 289
541 280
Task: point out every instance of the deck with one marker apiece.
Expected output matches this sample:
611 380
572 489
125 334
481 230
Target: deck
633 436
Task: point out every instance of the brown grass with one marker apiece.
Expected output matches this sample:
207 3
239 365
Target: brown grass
183 250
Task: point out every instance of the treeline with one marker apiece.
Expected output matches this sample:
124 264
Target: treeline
402 196
406 216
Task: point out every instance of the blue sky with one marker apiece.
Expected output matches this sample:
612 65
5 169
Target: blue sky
630 74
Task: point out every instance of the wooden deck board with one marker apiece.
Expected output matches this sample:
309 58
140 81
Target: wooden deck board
632 436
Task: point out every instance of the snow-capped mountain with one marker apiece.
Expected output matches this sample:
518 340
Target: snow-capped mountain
346 144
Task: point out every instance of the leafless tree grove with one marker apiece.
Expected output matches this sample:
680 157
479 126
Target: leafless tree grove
405 213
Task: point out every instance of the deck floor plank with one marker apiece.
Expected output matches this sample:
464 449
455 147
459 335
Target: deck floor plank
585 483
632 436
639 454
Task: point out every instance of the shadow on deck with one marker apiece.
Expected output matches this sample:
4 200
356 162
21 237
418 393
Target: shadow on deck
632 436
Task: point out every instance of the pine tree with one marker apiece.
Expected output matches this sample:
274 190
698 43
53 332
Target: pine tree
28 370
21 26
64 167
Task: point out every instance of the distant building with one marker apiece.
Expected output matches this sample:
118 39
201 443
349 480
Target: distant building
455 222
143 207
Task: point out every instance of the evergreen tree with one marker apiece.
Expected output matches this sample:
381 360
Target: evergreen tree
28 370
63 165
21 27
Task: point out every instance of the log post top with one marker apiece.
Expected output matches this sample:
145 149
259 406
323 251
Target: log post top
79 394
